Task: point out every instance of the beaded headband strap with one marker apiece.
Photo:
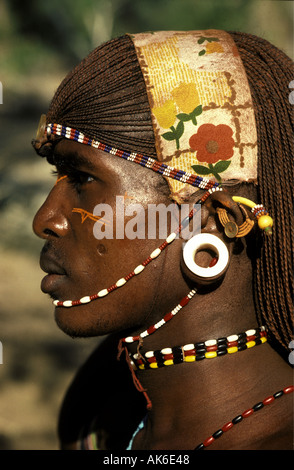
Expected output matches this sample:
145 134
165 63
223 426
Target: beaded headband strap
167 171
162 168
148 162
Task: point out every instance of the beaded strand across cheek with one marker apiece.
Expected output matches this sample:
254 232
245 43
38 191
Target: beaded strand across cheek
121 282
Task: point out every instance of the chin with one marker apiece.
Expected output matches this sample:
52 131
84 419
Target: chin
78 323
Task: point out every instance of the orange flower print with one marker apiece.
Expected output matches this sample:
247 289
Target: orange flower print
213 143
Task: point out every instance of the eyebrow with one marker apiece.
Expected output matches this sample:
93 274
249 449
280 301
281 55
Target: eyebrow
73 160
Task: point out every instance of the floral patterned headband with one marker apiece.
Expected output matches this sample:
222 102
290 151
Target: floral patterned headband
202 111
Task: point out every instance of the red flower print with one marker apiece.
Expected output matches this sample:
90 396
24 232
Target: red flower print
213 143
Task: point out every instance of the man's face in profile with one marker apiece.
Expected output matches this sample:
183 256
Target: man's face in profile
78 264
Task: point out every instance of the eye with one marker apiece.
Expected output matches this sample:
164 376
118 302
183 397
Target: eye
76 178
79 179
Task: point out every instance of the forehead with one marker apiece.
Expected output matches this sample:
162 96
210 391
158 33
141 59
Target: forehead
69 155
110 168
78 155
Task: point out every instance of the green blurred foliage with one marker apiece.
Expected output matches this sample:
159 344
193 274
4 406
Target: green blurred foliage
67 30
40 41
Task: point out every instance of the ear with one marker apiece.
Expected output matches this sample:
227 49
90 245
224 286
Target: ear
206 256
227 216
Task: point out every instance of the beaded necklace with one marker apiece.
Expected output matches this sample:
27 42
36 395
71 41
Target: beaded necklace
229 425
267 401
199 351
121 282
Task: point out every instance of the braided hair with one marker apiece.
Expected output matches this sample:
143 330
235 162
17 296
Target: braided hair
269 73
105 98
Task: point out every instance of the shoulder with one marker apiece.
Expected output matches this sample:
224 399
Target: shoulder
101 401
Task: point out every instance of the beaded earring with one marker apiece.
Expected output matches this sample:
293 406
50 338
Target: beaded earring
231 229
215 271
265 222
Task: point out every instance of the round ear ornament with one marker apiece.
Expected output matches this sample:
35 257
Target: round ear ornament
205 241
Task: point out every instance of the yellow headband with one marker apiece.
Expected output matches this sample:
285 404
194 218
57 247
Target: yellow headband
201 105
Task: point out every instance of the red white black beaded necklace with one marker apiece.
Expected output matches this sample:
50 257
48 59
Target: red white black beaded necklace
230 424
258 406
201 350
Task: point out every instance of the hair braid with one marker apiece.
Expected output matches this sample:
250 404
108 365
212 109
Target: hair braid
269 73
105 98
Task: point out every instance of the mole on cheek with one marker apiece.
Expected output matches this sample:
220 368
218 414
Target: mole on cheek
101 249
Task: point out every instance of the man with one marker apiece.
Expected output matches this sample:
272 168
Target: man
131 98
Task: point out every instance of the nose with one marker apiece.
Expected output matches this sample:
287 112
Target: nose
51 220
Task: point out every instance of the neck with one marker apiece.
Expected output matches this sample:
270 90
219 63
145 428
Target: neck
201 396
195 398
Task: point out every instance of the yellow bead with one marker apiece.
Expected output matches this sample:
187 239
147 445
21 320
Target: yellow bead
265 221
263 339
232 350
141 366
169 362
190 358
153 365
210 354
250 344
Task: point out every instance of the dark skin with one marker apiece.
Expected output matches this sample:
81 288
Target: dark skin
194 400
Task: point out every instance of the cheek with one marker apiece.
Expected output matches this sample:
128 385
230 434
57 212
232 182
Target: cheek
94 265
101 255
101 249
126 307
99 264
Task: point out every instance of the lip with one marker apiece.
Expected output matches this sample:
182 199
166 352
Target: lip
55 274
51 283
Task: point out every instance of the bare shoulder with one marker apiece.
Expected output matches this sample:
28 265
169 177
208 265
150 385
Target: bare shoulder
101 399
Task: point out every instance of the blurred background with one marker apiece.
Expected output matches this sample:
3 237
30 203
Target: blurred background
40 42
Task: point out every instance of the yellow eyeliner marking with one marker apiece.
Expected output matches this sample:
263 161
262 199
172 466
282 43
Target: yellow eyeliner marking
59 179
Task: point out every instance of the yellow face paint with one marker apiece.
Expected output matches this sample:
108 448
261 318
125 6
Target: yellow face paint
60 179
88 215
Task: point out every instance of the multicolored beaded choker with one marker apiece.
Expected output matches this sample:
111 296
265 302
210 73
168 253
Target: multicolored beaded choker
199 351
